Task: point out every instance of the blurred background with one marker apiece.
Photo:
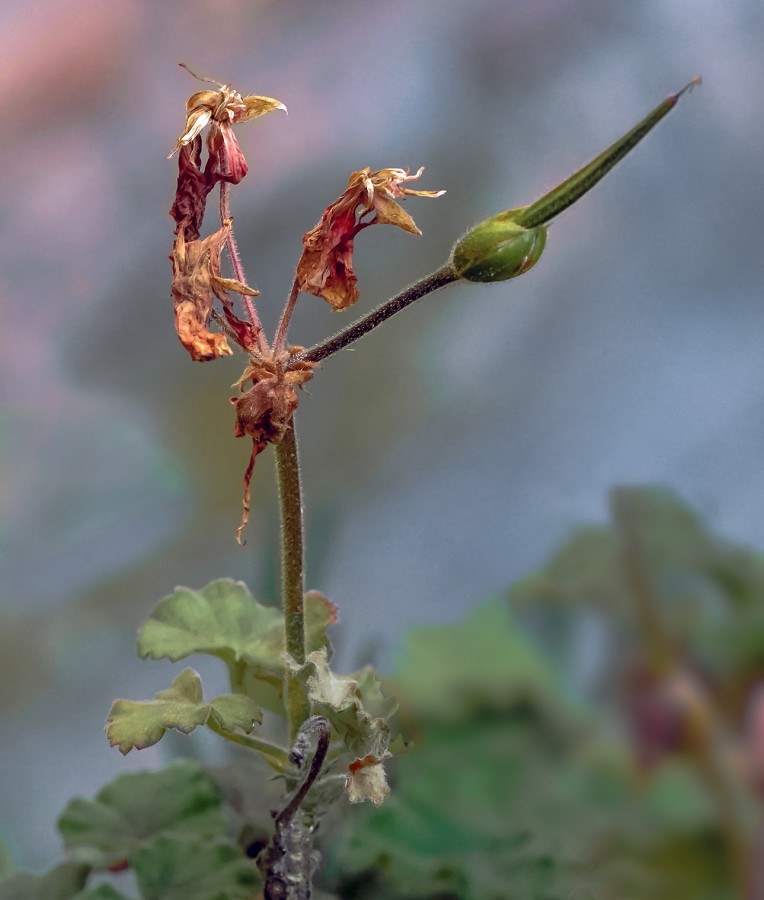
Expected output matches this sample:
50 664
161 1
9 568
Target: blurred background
449 452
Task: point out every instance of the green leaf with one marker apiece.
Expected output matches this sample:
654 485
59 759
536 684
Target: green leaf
65 882
139 724
508 794
186 869
136 808
225 620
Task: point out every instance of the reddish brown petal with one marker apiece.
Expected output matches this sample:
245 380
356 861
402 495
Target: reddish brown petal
191 192
226 161
326 266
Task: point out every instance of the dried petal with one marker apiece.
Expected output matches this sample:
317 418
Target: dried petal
226 161
191 192
195 264
326 266
366 780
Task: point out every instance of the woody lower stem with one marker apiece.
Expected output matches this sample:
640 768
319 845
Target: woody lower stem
292 574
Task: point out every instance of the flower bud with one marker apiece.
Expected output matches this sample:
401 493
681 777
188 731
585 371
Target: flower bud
498 248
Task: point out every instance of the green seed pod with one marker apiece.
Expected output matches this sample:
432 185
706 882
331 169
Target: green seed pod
509 244
498 249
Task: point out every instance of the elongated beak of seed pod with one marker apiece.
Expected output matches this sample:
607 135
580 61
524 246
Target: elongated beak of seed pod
509 244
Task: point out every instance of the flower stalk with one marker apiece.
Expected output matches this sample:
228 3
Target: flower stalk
292 574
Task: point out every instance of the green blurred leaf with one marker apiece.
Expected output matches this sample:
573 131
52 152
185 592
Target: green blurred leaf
136 808
6 863
225 620
509 795
445 670
102 892
186 869
65 882
139 724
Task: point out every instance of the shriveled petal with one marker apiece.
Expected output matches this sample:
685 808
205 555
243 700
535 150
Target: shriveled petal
191 192
326 266
194 265
226 161
366 780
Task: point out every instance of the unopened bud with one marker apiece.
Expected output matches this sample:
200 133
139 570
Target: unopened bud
498 249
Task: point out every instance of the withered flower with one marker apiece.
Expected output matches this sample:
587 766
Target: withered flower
264 412
326 266
220 109
196 280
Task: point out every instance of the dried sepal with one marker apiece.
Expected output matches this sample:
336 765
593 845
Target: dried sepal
326 266
223 106
264 411
196 281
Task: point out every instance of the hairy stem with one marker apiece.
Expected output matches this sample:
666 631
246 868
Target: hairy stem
292 576
365 324
286 316
237 266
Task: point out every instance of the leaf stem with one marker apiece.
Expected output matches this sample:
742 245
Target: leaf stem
276 757
292 574
379 314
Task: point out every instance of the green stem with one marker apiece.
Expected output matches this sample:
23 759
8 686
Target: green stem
292 577
365 324
276 757
561 197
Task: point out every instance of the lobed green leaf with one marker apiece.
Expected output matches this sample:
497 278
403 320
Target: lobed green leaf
225 620
139 724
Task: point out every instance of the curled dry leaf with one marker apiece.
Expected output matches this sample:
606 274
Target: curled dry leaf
264 411
367 780
196 281
326 266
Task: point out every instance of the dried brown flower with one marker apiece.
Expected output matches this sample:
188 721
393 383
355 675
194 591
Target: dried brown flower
326 266
264 411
